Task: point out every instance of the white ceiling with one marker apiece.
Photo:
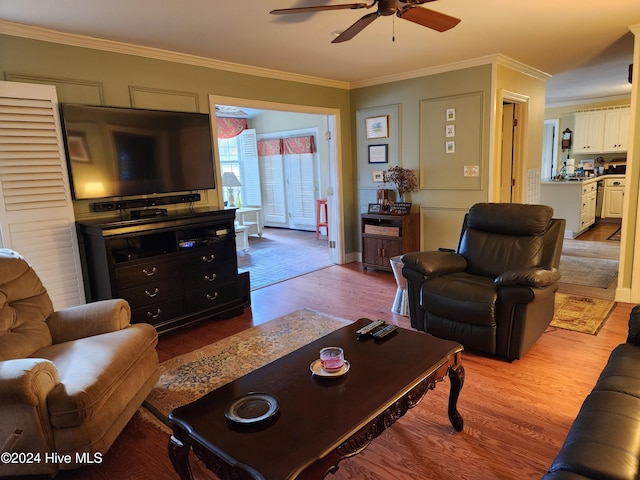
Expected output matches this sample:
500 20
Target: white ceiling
584 44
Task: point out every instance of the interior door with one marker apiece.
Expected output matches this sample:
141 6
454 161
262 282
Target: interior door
302 190
507 181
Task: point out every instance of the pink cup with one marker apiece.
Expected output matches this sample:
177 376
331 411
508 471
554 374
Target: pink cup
331 358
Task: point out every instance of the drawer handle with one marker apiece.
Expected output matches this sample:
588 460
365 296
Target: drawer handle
151 295
211 258
152 272
210 297
616 183
210 278
154 315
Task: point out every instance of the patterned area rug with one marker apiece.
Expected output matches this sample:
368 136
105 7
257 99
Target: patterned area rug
580 314
591 272
188 377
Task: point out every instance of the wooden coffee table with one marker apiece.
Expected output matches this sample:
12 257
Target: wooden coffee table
320 420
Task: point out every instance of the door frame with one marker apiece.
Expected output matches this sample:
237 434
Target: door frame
335 187
521 104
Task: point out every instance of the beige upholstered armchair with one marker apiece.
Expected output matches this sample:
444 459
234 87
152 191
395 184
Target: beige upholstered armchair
69 380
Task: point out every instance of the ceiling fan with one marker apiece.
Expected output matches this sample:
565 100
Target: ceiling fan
407 9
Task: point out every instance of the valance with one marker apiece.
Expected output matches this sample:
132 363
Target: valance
231 127
269 147
299 145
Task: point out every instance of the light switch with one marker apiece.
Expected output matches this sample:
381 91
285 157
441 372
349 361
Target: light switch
471 170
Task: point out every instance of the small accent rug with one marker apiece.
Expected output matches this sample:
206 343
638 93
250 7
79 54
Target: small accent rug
188 377
615 235
591 272
581 314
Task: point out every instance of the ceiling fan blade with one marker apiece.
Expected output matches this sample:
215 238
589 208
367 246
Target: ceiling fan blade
428 18
356 28
345 6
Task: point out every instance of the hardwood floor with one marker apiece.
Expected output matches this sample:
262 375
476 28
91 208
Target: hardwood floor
516 414
593 243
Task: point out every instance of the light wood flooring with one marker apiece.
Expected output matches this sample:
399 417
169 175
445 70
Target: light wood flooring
516 414
593 243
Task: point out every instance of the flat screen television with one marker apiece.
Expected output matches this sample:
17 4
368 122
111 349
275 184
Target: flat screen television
122 152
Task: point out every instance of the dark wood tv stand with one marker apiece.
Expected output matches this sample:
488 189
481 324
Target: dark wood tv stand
173 270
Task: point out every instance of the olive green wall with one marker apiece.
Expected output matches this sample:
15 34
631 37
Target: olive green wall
441 209
89 76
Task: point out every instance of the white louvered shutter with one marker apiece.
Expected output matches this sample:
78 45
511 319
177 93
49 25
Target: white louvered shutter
250 168
36 211
301 184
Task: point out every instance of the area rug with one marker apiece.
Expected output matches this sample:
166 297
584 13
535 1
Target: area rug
581 314
188 377
615 235
591 272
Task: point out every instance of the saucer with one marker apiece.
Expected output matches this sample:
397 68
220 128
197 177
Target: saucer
317 369
252 408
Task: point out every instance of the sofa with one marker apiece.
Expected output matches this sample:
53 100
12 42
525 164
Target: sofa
70 380
604 440
495 292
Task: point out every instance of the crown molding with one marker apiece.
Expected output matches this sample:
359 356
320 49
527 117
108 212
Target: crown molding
496 59
83 41
74 40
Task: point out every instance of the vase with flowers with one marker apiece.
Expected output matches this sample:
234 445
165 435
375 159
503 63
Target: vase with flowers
404 179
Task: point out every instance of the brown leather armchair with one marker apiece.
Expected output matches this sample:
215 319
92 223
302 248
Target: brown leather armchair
495 293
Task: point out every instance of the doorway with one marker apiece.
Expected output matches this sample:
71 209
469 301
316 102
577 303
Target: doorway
330 180
511 185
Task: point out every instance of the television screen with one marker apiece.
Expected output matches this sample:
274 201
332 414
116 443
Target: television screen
119 152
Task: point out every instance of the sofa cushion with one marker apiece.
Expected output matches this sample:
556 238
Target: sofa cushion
24 308
604 440
621 372
92 369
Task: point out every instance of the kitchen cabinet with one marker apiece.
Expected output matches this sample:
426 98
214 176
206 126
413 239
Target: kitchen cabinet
616 130
613 197
589 132
601 131
575 201
588 205
387 236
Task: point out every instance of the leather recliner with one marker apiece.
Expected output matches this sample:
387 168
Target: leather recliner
495 293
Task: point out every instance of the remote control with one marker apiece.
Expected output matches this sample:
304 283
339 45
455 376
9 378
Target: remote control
369 328
384 331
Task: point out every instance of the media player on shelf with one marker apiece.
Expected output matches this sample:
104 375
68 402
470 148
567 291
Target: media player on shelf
149 213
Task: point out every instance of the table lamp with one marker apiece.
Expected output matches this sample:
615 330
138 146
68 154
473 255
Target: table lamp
230 180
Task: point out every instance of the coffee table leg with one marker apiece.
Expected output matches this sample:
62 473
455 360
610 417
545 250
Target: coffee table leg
456 377
179 455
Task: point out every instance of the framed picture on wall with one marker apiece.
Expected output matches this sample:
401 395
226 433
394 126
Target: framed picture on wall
450 114
378 154
450 147
377 127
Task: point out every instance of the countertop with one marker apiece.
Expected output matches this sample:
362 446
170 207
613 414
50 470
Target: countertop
580 181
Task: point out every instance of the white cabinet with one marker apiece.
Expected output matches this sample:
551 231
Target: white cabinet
616 130
589 132
574 201
588 205
613 197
